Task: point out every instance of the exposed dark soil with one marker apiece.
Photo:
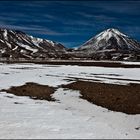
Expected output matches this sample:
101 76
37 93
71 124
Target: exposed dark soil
79 63
33 90
122 98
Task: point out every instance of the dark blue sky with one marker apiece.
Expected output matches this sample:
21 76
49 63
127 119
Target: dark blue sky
71 22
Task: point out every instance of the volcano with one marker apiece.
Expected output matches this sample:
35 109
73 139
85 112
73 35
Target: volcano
111 43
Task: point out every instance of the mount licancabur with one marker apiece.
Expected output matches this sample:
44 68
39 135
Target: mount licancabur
112 43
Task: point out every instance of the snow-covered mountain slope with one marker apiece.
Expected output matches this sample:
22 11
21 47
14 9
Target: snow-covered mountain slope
16 44
111 40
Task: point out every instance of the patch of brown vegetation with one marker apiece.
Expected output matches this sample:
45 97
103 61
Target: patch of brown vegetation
122 98
33 90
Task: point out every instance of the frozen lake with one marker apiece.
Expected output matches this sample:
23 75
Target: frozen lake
70 116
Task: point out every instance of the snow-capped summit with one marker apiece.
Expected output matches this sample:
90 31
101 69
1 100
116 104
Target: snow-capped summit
16 44
110 33
111 39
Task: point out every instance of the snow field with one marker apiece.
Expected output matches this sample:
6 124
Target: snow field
68 117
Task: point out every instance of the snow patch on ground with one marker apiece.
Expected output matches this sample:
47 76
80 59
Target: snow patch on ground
68 117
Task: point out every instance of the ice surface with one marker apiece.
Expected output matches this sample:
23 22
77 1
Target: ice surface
68 117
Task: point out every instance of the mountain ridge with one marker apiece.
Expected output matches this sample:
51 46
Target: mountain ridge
122 40
16 44
110 43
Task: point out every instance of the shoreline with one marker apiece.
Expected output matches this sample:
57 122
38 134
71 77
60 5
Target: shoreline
116 64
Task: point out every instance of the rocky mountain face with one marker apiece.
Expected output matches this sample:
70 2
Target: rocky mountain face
16 44
111 44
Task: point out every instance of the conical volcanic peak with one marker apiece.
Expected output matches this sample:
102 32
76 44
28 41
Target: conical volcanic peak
111 39
110 32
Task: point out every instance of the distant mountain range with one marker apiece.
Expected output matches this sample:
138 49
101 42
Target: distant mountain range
110 44
16 44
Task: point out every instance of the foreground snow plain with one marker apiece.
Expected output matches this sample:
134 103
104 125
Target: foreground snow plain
68 117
